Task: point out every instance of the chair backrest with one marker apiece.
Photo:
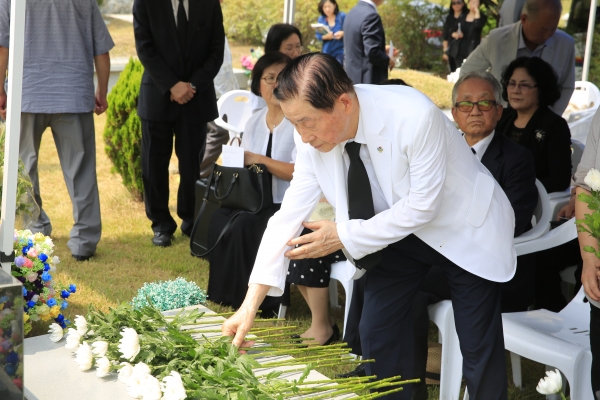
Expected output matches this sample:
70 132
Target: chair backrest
585 95
576 152
542 215
580 128
235 108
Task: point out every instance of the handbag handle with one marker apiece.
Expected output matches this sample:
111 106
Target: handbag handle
233 217
217 179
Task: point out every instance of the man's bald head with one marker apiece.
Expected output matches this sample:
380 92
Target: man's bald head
533 8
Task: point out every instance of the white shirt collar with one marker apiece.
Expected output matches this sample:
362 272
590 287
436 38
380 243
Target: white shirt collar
371 3
481 146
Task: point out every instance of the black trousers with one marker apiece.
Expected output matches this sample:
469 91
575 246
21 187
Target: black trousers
595 347
157 148
386 326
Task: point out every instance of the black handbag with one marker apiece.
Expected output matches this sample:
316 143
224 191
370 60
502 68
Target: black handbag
240 189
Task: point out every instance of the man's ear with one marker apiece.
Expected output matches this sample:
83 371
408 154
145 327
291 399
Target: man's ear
454 113
348 101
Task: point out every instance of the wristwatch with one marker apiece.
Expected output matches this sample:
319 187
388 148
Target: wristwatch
192 85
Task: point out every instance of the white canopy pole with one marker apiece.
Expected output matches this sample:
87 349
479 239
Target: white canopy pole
587 58
13 128
289 9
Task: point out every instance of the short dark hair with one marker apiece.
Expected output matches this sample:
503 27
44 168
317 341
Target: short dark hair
394 81
275 58
334 2
318 78
542 73
277 34
532 8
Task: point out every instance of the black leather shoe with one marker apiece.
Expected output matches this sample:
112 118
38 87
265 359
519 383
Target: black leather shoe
162 239
358 371
335 336
81 258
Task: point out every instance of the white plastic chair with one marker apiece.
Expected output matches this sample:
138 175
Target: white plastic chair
542 215
442 315
560 340
585 96
559 199
234 111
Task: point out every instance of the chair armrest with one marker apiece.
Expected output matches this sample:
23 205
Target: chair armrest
557 236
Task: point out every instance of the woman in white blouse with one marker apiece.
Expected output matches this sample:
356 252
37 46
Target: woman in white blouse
268 139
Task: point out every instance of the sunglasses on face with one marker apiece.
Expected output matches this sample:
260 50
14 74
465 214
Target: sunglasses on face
483 105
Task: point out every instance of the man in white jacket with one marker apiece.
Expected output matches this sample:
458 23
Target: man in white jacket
408 193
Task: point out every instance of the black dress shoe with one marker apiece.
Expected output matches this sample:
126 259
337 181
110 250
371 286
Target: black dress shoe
81 258
162 239
358 371
335 336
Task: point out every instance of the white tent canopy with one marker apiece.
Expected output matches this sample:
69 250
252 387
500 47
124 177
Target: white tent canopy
13 128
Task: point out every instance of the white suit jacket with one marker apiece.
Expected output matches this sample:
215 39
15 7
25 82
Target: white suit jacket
434 185
499 48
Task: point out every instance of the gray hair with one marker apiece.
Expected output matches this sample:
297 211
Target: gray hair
486 76
532 8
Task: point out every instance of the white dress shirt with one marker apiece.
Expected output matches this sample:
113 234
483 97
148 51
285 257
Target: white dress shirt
186 7
481 146
283 148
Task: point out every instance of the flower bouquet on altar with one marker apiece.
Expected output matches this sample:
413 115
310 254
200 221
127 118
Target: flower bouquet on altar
11 345
44 299
248 62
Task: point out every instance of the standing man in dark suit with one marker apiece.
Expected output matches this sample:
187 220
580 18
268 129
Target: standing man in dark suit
366 58
477 110
180 44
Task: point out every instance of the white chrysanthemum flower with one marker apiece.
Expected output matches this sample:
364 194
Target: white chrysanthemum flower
172 387
135 383
592 179
81 325
84 357
125 372
151 389
56 332
55 260
552 383
73 339
99 348
102 367
129 345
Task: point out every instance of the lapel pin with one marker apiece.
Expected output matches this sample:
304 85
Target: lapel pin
380 149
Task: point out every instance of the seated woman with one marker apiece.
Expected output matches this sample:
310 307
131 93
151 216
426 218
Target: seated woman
286 39
530 86
333 43
268 139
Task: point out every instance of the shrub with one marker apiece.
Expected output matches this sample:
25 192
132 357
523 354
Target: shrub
123 131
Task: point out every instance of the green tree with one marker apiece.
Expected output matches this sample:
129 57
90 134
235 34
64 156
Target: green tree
123 130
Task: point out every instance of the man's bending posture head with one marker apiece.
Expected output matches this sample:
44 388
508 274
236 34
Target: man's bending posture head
317 97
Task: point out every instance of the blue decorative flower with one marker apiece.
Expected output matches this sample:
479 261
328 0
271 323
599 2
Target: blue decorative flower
63 325
64 294
3 299
25 308
46 276
46 267
60 318
12 358
72 288
31 304
67 322
64 305
51 302
10 369
43 257
29 242
24 291
25 250
19 261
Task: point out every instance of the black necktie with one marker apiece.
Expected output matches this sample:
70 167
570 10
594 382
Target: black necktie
182 26
473 150
360 198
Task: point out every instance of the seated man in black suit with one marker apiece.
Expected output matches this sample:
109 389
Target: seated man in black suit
477 109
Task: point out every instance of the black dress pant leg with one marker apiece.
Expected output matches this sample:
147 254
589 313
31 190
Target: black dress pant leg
157 147
595 347
190 141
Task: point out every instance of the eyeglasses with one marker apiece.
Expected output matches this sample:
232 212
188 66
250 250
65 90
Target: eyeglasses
483 105
270 79
525 86
297 49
